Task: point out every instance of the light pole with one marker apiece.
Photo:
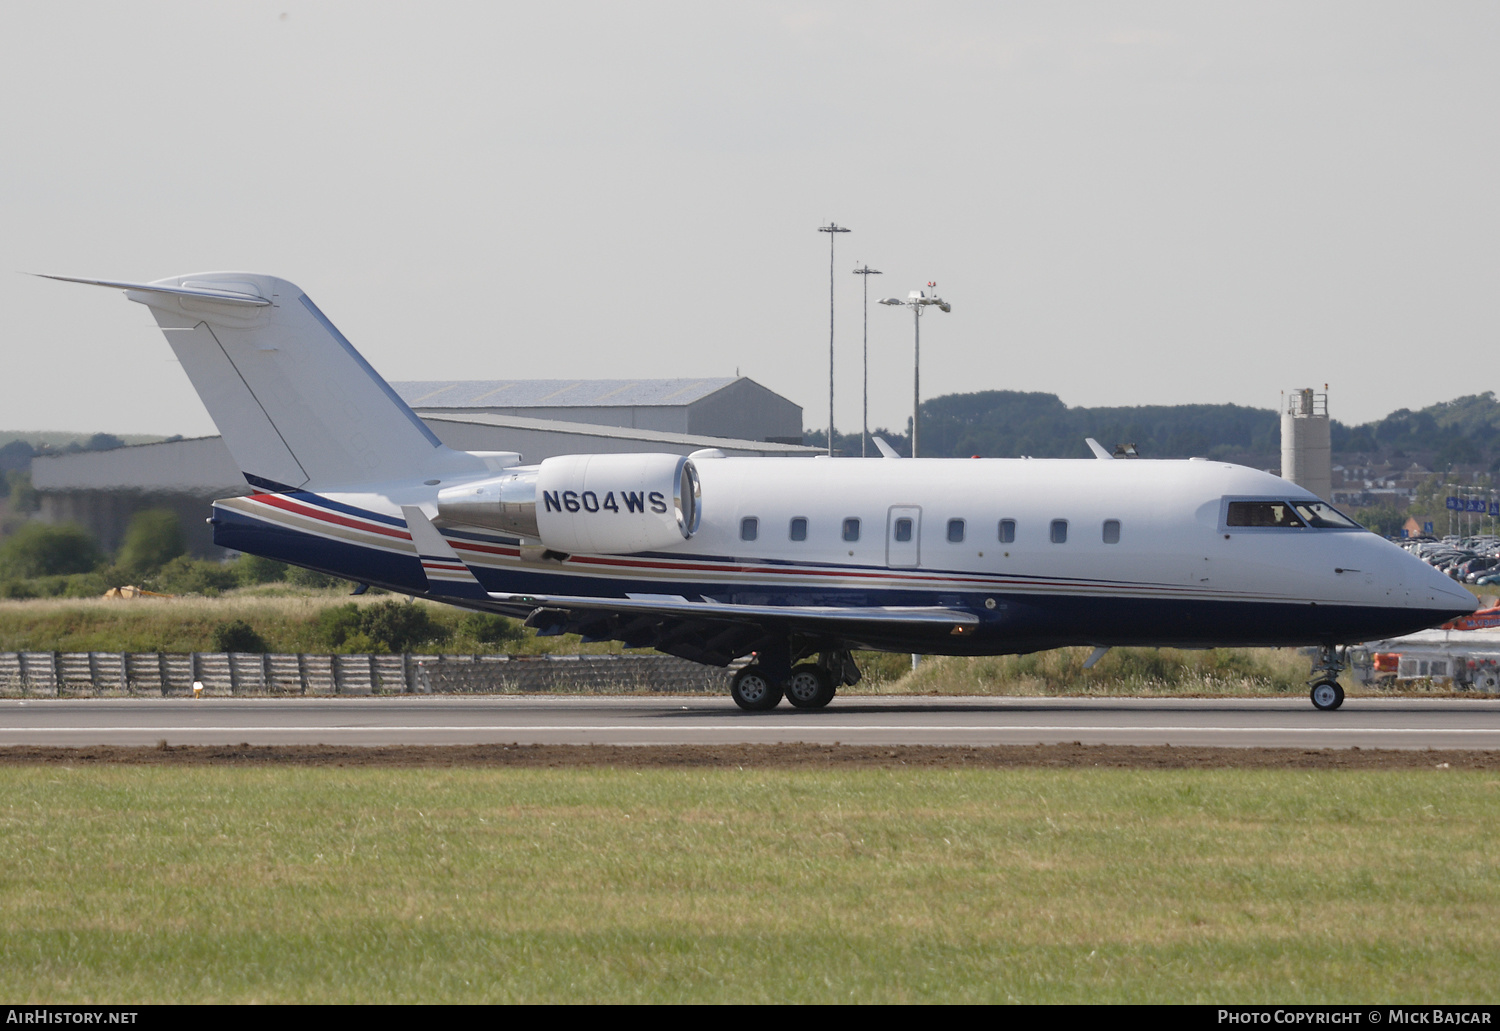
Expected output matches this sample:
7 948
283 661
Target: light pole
917 300
832 229
866 271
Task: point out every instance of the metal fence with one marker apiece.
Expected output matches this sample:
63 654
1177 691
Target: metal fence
124 674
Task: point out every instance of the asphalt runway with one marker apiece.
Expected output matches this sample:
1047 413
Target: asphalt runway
531 719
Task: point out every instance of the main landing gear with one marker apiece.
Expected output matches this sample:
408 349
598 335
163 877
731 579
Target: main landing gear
753 690
1327 695
809 685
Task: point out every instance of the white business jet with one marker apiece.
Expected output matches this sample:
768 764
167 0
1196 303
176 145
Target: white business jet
798 561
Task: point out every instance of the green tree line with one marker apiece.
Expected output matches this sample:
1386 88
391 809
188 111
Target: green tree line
1010 423
44 560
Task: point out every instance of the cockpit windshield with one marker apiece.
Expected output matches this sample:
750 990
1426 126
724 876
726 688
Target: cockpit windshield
1278 514
1318 513
1262 513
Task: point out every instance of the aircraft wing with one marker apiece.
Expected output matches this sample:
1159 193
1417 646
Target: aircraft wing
677 605
715 632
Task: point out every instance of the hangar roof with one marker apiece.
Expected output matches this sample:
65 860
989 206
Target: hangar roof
560 393
575 432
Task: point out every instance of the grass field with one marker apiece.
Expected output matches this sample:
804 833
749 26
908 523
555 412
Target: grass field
135 884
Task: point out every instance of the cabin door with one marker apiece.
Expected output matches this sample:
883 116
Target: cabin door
903 535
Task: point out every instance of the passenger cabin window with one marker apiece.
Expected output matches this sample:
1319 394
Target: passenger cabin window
1111 531
955 531
903 530
851 529
799 528
749 528
1007 531
1059 531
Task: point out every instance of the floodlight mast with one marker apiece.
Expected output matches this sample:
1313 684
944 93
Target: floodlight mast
917 300
866 271
832 229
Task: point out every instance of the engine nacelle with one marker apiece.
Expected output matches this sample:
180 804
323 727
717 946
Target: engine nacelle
601 504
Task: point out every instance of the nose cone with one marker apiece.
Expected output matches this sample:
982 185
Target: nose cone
1427 588
1401 593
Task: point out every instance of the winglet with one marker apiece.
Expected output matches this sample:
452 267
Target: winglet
1098 449
886 451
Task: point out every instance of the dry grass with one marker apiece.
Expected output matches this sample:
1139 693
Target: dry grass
286 618
1231 672
160 624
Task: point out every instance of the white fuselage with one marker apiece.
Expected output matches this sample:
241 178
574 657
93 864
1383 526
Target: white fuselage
1168 571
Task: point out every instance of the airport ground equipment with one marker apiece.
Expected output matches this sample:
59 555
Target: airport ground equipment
1468 660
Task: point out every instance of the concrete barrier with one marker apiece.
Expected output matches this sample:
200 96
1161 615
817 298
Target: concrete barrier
157 674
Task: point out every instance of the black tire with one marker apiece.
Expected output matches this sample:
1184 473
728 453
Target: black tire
809 687
1327 695
753 691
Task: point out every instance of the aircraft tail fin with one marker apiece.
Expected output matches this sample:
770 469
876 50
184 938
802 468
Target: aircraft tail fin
297 405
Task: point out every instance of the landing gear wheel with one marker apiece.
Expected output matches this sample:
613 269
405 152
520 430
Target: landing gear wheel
753 691
809 687
1327 695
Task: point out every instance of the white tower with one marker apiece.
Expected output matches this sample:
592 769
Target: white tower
1306 451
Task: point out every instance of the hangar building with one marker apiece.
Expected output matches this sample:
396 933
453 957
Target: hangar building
102 490
735 407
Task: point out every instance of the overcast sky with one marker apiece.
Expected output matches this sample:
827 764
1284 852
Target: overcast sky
1126 203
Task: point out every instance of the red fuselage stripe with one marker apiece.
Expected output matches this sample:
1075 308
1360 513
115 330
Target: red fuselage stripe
282 502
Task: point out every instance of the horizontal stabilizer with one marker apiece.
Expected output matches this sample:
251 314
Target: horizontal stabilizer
298 406
211 293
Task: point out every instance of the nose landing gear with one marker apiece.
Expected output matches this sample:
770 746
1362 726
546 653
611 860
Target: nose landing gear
1326 693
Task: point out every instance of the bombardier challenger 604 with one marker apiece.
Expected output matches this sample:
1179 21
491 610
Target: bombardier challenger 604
796 561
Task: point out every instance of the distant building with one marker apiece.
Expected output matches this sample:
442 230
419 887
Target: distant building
102 490
735 407
1306 454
